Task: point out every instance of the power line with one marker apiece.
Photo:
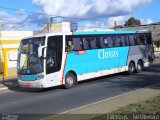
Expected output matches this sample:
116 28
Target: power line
13 9
65 17
28 22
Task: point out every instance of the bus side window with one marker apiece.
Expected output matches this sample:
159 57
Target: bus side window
77 43
102 42
127 40
85 41
117 41
140 39
105 40
145 39
93 42
110 41
98 45
132 40
149 38
137 39
123 40
69 45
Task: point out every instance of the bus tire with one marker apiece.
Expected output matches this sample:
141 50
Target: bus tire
131 68
70 80
139 67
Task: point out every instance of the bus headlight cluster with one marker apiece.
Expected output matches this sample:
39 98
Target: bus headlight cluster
40 77
20 77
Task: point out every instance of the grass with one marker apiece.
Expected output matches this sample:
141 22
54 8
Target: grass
149 109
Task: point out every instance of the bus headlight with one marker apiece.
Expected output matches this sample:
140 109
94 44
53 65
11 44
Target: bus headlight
40 77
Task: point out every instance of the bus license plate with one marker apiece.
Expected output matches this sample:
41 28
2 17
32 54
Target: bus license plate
28 84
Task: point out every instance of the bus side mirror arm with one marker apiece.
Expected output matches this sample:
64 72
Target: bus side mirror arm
40 51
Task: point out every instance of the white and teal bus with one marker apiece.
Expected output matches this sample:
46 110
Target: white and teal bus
55 59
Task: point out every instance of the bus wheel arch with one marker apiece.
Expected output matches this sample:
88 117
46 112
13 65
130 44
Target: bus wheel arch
131 67
70 79
140 66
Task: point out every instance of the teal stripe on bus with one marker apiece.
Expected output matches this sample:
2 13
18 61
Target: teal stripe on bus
106 32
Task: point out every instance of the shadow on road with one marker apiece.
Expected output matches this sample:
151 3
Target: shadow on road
148 77
12 85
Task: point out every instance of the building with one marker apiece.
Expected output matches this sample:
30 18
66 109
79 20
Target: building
154 28
9 44
54 27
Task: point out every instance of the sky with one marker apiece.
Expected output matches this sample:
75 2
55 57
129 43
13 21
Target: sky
23 14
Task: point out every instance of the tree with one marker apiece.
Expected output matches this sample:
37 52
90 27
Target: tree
132 22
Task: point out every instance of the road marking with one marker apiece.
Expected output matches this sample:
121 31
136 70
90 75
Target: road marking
5 88
110 98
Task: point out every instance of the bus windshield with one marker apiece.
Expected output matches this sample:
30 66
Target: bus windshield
28 61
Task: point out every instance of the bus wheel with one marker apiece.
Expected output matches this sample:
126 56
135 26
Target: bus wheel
139 66
131 68
69 80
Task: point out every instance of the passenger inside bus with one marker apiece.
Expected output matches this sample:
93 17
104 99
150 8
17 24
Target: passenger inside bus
69 46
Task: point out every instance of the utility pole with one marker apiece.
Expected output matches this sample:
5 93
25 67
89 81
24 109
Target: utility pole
2 66
115 25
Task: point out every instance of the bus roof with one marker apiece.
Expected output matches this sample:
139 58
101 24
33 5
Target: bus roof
112 32
92 33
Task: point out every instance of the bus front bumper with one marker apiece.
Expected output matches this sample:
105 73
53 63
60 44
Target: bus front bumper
32 84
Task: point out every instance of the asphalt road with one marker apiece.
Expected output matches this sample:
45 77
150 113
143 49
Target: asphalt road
57 100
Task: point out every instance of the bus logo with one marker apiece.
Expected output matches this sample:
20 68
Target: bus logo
102 54
81 52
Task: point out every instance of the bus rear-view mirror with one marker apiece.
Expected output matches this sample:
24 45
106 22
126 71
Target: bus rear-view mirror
41 51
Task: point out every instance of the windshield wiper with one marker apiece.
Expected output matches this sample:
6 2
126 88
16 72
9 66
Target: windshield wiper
23 65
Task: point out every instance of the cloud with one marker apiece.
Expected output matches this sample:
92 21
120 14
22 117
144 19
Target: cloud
13 22
92 25
8 21
5 15
20 12
120 20
37 19
89 8
22 21
104 23
147 21
111 10
108 10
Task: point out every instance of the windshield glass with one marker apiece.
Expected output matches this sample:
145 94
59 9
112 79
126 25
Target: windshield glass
28 61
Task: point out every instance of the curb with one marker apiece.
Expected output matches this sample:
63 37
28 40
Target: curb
4 88
7 80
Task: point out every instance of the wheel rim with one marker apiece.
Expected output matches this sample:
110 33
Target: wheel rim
139 66
131 68
70 81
